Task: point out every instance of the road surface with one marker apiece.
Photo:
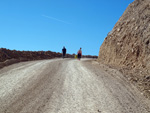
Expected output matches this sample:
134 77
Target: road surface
67 86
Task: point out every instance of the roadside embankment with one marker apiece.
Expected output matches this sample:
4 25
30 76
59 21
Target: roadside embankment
8 57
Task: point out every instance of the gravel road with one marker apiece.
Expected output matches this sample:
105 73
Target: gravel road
67 86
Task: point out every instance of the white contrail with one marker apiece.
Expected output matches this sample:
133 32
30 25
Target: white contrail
56 19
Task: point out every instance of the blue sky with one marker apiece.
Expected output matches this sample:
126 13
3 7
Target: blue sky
51 24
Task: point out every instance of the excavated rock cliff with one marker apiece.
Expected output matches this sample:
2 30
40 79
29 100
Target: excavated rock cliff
127 46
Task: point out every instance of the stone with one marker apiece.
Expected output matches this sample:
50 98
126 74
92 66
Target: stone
132 30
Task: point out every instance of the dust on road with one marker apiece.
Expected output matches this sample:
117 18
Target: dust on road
67 86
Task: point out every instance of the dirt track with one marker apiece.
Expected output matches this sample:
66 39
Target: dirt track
67 86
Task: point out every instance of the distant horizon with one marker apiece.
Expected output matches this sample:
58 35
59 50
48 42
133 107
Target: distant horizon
50 25
42 50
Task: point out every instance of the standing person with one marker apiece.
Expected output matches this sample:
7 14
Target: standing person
79 53
64 52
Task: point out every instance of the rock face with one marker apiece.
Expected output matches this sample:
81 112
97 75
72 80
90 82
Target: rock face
127 46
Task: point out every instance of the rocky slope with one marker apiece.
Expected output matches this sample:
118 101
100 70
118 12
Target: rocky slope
127 46
8 57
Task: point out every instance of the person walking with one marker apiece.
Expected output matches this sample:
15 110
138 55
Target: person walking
79 53
64 52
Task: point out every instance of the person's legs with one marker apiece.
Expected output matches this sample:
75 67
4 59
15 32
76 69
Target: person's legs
64 54
79 56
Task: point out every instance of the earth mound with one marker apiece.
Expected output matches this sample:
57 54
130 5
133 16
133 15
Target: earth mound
8 57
